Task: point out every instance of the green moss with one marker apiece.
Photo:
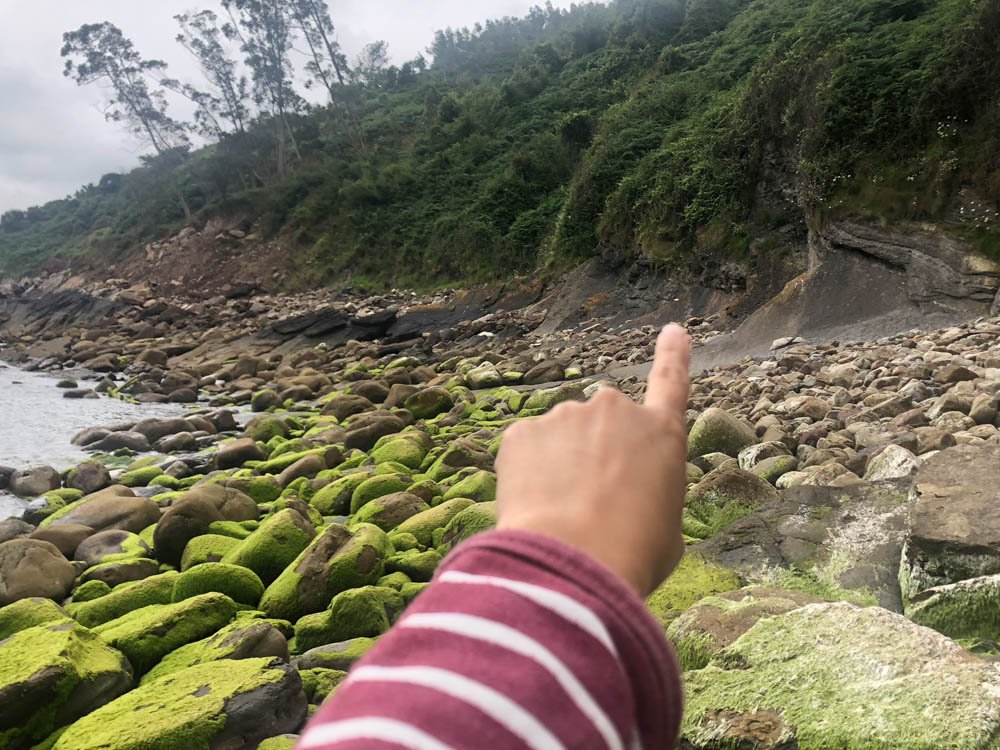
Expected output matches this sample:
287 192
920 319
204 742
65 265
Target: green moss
90 590
375 487
808 582
694 579
273 546
140 477
418 566
472 520
335 498
236 640
282 462
263 489
404 541
278 743
716 430
361 612
165 480
148 634
393 580
966 611
234 529
335 561
66 494
839 677
265 428
320 683
480 486
403 449
423 525
27 613
206 548
541 401
125 598
241 585
60 672
182 710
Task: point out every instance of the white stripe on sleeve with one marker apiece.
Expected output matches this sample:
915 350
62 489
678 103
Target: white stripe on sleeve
504 636
371 728
555 601
505 712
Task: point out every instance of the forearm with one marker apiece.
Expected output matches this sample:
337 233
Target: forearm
520 642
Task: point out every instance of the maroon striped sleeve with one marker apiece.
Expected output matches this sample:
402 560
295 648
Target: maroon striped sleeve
520 642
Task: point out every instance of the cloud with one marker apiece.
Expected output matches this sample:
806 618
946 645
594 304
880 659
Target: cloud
53 136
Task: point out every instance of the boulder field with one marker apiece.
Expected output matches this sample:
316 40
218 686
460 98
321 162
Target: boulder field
840 590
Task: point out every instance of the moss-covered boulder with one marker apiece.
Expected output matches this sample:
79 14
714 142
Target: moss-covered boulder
416 565
718 620
407 449
319 684
547 398
139 477
362 612
335 498
480 486
281 742
241 639
718 431
148 634
337 559
274 545
693 580
838 676
207 548
473 520
429 402
28 613
422 525
376 487
727 495
110 546
968 611
342 655
263 428
459 454
125 598
192 515
389 511
50 676
240 584
220 704
89 591
115 507
121 571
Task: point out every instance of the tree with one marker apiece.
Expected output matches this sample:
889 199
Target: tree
327 64
264 29
372 63
100 53
226 99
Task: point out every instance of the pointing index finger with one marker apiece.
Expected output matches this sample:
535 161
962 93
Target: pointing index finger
669 379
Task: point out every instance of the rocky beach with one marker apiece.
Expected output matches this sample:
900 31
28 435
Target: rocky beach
326 454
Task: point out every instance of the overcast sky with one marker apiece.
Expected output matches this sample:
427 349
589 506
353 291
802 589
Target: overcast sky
53 137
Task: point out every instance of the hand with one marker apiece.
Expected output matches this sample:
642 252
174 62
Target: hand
607 476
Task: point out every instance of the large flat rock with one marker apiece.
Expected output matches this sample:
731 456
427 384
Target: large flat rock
954 520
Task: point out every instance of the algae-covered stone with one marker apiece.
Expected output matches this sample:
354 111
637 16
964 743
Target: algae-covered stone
335 498
140 477
429 402
376 487
422 525
694 579
33 568
483 376
220 704
148 634
282 742
967 611
717 621
319 684
407 449
547 398
240 584
342 655
726 495
121 571
480 486
337 559
263 428
110 546
274 545
126 598
460 453
89 591
207 548
51 675
476 518
114 507
238 640
194 512
361 612
418 566
27 613
389 511
716 430
839 676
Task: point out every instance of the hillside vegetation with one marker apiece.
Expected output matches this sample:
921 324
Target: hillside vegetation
681 133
